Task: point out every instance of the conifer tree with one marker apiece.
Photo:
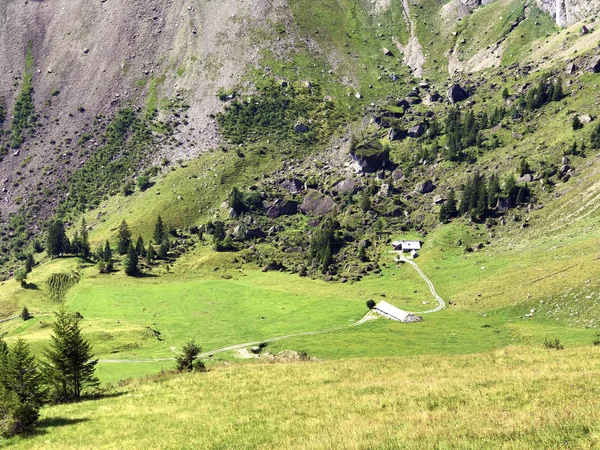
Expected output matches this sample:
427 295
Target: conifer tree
70 367
25 314
29 263
139 247
84 239
57 242
163 249
107 259
558 92
20 389
160 233
130 262
124 238
595 138
150 253
493 191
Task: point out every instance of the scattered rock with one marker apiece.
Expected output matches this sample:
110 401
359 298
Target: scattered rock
438 200
293 186
527 178
347 186
317 204
425 187
282 208
457 94
417 131
300 128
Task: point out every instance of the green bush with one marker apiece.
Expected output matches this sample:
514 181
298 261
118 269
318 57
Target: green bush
553 344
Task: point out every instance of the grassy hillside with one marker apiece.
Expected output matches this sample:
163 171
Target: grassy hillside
513 398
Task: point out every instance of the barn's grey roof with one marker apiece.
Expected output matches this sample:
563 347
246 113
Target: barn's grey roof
391 312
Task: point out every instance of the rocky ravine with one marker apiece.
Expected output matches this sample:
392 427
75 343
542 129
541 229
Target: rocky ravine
568 12
104 55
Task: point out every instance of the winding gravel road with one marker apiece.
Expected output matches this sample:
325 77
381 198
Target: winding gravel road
440 300
369 316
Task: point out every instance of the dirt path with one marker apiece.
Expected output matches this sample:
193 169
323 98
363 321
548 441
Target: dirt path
440 300
369 316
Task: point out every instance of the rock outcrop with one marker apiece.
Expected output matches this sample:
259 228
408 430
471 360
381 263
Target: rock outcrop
568 12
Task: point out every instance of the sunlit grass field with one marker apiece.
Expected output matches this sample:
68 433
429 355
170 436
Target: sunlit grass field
517 397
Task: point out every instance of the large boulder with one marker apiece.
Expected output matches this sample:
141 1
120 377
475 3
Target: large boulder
282 208
456 93
595 66
347 186
425 187
397 175
527 178
317 204
300 128
417 131
396 134
293 186
371 157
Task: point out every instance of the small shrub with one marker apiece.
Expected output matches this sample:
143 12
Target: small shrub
553 344
187 361
25 314
596 340
371 304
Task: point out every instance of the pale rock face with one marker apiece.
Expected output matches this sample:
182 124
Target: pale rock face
568 12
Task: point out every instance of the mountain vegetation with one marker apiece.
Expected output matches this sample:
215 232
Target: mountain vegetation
199 214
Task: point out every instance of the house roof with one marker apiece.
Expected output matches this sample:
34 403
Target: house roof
407 245
391 312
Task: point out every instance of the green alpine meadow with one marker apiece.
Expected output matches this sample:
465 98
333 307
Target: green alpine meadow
291 224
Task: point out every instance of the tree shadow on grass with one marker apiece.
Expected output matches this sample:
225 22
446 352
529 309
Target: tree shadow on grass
44 426
144 275
31 286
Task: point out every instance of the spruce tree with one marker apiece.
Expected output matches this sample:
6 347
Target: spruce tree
130 262
25 314
84 239
236 201
160 233
163 249
124 238
524 168
150 253
558 92
20 389
139 247
70 367
57 242
493 191
76 244
595 138
29 263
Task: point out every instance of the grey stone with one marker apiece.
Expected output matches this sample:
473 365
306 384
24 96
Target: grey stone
456 93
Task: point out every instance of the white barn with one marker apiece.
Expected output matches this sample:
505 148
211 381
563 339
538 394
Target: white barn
391 312
407 246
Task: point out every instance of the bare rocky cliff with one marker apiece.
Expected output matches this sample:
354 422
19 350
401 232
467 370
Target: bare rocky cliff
94 57
568 12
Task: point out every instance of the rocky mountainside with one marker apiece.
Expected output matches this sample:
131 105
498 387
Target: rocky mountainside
94 95
568 12
91 59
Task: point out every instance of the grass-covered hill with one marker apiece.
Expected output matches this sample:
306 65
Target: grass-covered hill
514 398
473 130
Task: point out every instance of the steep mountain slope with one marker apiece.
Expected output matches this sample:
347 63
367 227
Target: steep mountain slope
91 59
567 12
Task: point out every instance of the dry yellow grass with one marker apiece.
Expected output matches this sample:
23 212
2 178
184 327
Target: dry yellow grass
512 398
